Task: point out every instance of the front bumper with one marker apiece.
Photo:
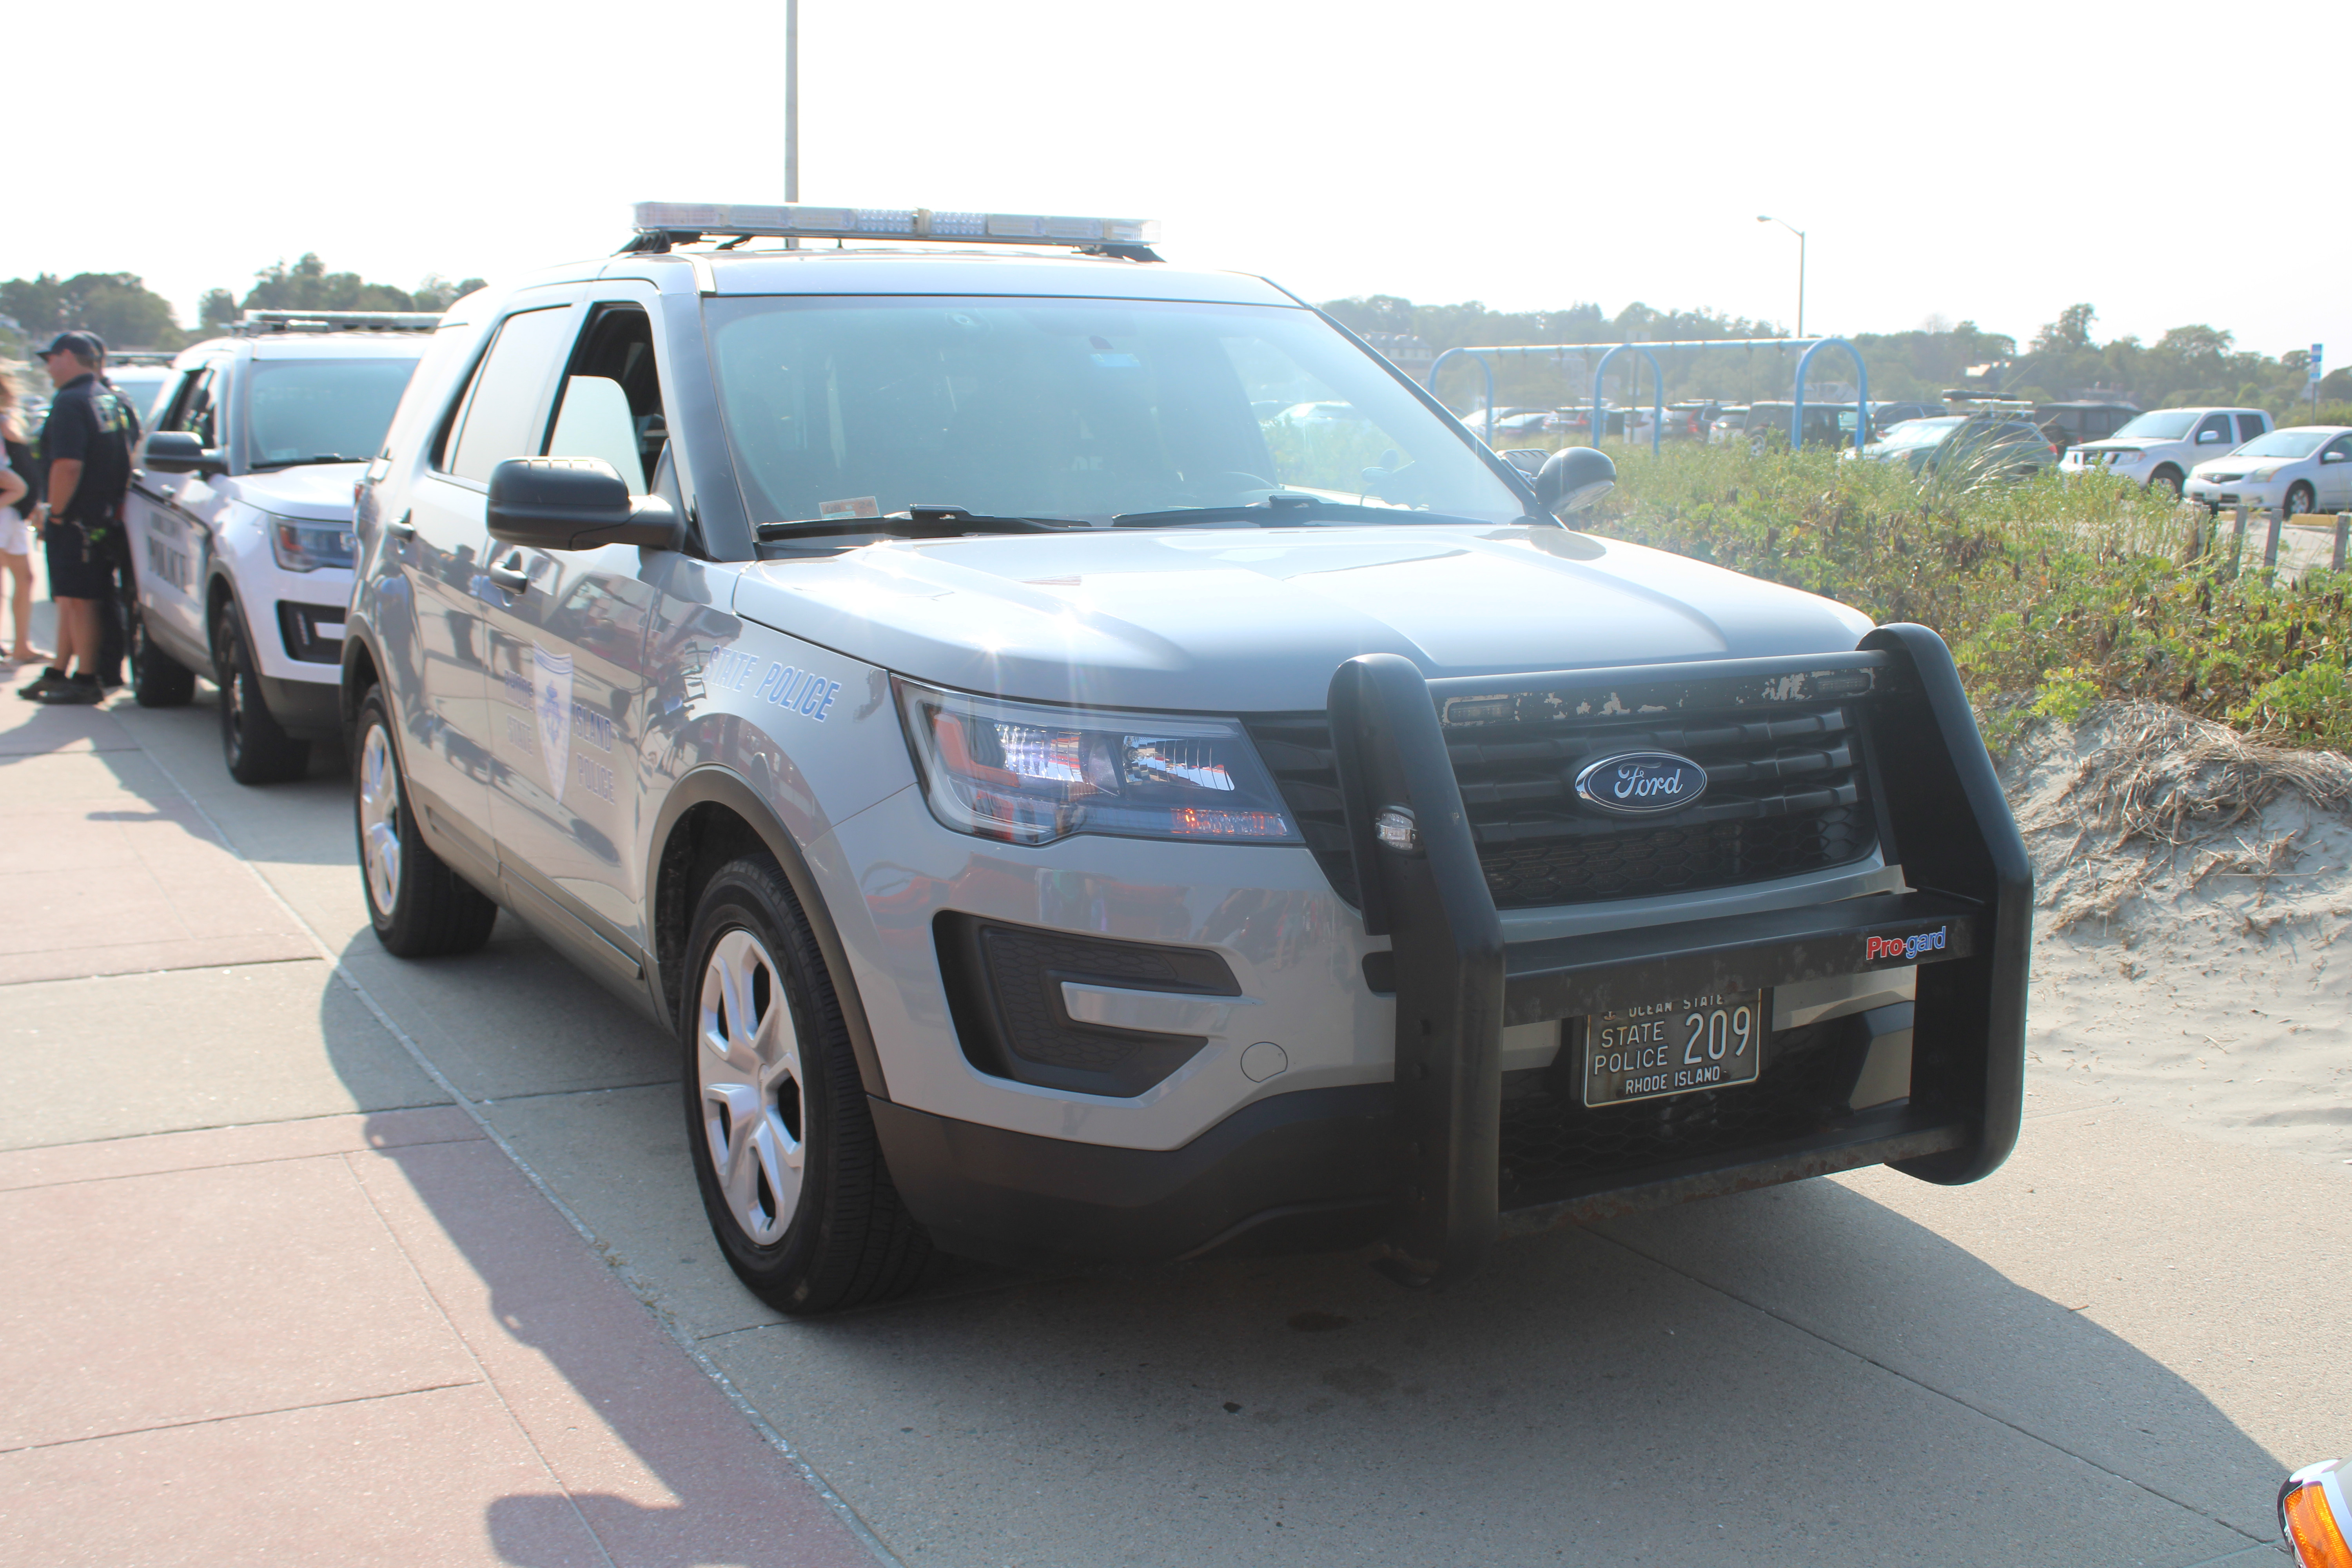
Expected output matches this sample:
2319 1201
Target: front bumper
1455 1150
2235 492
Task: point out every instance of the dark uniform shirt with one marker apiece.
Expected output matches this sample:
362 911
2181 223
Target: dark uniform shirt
89 422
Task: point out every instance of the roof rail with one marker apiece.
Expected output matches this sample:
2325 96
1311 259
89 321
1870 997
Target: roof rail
255 323
661 225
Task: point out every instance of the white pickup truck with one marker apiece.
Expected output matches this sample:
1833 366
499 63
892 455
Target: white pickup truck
2159 447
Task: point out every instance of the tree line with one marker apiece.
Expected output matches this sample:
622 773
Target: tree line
2187 365
120 308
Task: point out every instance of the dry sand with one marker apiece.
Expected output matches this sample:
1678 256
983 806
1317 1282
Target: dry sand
2192 889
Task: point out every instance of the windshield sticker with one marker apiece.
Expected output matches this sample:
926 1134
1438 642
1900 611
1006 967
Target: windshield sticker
554 682
842 510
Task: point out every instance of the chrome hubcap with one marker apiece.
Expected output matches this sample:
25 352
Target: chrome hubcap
748 1062
2297 503
379 818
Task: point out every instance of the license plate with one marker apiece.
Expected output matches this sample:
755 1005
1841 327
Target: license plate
1676 1046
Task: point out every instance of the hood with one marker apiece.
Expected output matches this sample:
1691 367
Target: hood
2116 444
1247 620
319 492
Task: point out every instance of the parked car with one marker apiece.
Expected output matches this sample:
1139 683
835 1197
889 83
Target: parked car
2073 424
1054 820
1826 424
2302 469
1730 424
2161 446
239 517
138 377
1884 416
2315 1515
2012 449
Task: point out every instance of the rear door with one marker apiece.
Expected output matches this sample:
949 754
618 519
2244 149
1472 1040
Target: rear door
2333 479
2250 426
564 798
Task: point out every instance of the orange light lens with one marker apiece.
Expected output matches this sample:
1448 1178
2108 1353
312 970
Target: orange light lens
2312 1527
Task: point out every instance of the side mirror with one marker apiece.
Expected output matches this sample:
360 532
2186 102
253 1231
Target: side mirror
1574 479
2205 436
575 503
2336 457
1529 460
178 452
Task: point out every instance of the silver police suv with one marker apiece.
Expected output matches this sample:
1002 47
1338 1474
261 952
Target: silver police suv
1064 810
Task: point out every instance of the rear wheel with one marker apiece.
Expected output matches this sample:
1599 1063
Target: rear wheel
420 908
157 679
783 1145
257 751
2299 499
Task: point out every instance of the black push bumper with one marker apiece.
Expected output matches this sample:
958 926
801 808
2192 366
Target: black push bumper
1457 983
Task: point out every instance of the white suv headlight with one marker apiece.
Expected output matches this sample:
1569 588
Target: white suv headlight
308 546
1030 775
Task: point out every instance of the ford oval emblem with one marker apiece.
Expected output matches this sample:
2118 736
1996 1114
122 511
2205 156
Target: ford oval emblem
1642 783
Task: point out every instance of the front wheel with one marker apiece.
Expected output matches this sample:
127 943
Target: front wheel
157 679
783 1145
256 748
420 908
2167 480
2299 499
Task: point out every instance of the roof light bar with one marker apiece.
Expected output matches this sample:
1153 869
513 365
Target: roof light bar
253 324
801 222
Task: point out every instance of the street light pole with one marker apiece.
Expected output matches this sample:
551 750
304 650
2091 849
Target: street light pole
791 101
1800 233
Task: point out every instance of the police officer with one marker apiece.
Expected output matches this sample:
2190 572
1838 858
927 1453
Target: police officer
85 449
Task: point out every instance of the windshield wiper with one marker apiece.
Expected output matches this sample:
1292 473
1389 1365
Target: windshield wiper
306 462
1282 511
919 522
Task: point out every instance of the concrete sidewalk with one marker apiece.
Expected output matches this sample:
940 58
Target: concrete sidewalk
273 1298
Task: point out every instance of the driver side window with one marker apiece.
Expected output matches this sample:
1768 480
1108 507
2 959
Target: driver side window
2214 430
193 410
611 405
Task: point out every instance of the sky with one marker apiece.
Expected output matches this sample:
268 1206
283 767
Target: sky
1993 163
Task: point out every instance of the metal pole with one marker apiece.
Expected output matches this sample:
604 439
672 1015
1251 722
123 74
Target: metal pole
1801 282
2343 532
791 101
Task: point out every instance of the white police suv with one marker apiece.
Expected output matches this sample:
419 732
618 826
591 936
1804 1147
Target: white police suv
1066 808
240 516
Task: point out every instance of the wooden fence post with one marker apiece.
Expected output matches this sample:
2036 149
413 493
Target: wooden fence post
2343 528
2237 539
2271 542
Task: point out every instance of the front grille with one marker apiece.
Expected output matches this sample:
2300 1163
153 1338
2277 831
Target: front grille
1786 793
1552 1143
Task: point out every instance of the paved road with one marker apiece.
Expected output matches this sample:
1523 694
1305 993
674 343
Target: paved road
2106 1354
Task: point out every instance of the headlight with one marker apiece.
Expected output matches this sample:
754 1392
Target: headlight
2126 459
1030 775
307 546
2263 476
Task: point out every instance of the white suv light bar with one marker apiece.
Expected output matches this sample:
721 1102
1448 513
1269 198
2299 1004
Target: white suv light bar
891 223
254 323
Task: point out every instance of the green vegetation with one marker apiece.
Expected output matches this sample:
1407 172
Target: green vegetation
120 307
2053 595
2187 365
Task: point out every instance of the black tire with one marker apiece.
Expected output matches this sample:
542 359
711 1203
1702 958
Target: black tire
255 749
420 908
157 679
2165 480
2299 499
775 1116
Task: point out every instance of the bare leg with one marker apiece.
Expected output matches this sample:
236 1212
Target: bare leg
19 569
77 634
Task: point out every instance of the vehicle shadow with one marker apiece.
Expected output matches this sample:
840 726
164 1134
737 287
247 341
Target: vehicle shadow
1799 1375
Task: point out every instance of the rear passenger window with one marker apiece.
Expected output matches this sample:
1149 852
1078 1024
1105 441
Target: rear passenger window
2249 426
499 418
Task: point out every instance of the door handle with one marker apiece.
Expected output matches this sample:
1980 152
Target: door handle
513 579
400 527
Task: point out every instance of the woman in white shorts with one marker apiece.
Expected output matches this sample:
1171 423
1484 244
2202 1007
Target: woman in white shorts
16 530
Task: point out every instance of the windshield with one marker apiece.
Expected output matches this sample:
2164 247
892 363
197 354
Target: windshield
2284 444
1913 433
2165 425
300 411
1085 409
